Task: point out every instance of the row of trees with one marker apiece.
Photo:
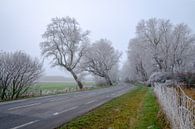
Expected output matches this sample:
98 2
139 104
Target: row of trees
18 71
69 47
159 46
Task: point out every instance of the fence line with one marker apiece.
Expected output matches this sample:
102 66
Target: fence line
178 107
39 92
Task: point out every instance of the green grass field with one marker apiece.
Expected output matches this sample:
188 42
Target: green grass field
60 85
137 109
56 85
50 88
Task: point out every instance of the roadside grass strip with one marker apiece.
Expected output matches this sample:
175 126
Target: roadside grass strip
136 109
149 115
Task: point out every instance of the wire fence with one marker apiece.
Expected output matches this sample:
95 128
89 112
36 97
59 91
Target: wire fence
43 92
178 107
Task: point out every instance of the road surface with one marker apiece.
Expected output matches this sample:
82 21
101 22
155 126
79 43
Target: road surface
52 111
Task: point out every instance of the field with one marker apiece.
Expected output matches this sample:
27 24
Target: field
60 85
47 88
56 85
137 109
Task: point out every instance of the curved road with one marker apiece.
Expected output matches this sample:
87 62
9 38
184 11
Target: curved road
51 111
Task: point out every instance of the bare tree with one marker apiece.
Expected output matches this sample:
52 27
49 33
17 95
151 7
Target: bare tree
170 45
182 52
66 44
139 61
156 34
18 71
114 73
100 59
26 72
5 74
160 46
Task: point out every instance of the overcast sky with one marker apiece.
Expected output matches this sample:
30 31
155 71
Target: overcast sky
22 22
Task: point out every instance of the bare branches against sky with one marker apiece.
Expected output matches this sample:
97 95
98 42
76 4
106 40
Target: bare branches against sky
23 21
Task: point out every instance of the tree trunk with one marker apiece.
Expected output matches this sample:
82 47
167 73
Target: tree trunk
3 94
108 80
76 79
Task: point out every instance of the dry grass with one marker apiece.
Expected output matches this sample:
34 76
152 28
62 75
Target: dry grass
163 121
190 92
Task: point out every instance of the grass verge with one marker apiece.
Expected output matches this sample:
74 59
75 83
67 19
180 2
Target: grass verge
137 109
148 115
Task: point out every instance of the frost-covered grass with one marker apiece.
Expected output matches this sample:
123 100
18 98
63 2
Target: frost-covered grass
61 85
135 110
56 85
190 92
48 88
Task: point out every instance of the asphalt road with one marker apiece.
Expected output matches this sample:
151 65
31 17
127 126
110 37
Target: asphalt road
52 111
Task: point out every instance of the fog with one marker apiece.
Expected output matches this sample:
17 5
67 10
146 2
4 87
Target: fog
23 22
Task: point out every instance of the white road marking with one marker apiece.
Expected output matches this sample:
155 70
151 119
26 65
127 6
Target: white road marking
57 99
57 113
90 102
108 96
99 104
20 126
52 100
24 106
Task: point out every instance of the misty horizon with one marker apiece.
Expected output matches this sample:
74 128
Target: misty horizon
24 22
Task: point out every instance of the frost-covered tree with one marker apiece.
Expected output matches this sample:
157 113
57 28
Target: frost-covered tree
139 60
65 42
126 72
101 60
18 71
155 35
160 46
114 73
